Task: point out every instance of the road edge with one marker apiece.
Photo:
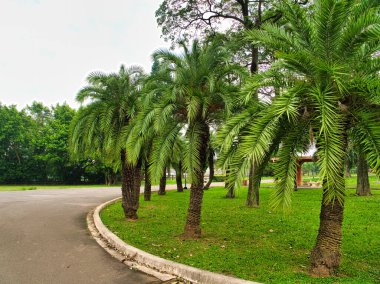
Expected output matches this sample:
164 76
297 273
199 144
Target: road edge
135 258
114 252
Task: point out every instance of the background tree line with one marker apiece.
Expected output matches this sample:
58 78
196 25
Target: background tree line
34 147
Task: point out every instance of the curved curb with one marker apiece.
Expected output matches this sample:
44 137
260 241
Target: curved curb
155 264
108 247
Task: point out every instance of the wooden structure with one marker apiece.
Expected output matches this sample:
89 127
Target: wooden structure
300 162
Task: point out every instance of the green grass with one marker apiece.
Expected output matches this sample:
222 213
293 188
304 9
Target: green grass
373 180
351 182
255 244
34 187
39 187
168 181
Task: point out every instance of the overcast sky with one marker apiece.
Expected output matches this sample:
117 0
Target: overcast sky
48 47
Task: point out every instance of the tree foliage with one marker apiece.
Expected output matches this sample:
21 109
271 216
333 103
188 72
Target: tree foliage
34 147
327 93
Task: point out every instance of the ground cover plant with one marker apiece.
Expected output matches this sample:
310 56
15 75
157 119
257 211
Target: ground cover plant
255 244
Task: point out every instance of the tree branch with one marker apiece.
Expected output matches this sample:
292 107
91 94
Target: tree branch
226 17
274 18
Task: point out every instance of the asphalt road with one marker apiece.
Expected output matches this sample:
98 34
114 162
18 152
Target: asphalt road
44 239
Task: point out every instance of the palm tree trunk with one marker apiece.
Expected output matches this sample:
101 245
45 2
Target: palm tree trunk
253 196
325 257
212 170
256 194
130 189
348 166
161 190
231 192
193 220
230 187
347 172
178 177
362 187
249 202
148 184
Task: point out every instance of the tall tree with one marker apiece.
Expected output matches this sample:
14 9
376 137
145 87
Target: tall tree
55 143
211 166
178 176
231 135
177 160
162 186
196 90
147 179
101 126
16 148
328 70
182 20
362 184
143 137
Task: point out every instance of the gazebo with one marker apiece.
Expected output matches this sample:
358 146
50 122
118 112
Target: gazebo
301 160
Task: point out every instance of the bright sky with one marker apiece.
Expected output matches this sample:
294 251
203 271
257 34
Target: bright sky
48 47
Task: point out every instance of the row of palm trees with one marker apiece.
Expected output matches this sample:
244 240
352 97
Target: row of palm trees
326 84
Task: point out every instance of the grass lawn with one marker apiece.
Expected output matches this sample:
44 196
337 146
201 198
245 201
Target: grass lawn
255 244
351 182
168 181
34 187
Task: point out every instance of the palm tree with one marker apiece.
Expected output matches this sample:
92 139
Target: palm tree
228 138
100 126
210 163
147 182
196 91
176 160
362 184
162 185
354 155
143 138
327 68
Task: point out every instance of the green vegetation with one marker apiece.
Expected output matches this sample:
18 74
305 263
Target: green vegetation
33 147
313 82
34 187
351 181
101 127
256 244
192 94
331 97
43 187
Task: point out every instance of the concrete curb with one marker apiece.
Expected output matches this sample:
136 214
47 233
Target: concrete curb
162 268
118 254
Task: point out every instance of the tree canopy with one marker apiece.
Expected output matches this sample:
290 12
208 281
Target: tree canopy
34 147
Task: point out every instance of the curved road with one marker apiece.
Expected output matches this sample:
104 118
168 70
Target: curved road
44 239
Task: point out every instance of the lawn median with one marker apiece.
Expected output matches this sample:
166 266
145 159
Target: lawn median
254 244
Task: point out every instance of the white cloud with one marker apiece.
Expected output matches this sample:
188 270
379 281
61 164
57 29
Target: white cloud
47 47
